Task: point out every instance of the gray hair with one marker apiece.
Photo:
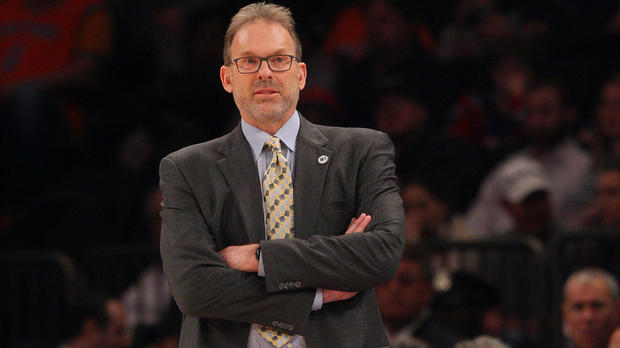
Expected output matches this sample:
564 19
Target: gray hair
261 11
587 275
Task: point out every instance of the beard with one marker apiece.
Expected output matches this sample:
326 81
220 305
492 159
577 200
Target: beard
269 110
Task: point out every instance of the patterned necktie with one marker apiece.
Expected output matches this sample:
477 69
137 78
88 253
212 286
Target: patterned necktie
279 222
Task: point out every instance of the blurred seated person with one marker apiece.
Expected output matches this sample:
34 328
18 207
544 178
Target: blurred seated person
426 214
148 300
520 273
567 167
603 214
492 121
603 138
525 196
469 305
405 304
421 153
590 308
96 323
396 49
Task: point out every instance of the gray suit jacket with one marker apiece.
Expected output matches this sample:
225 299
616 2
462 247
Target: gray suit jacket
212 199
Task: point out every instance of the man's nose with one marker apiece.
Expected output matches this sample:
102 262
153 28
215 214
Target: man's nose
588 314
264 72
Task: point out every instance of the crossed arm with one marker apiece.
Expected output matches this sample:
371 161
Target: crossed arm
242 258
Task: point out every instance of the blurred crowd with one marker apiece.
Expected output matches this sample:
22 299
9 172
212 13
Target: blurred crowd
505 116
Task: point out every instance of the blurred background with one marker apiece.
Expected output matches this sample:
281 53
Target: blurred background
505 116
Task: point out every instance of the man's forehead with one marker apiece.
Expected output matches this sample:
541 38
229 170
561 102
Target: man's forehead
262 35
587 291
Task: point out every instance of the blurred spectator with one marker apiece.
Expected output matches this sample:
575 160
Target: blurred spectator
405 304
428 214
397 55
604 139
479 29
493 121
148 300
422 154
590 309
567 167
469 306
603 214
525 195
96 323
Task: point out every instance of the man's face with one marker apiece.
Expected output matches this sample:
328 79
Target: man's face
264 97
404 297
589 313
544 115
532 215
114 334
423 211
609 197
399 116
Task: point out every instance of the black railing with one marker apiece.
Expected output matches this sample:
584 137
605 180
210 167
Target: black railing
38 287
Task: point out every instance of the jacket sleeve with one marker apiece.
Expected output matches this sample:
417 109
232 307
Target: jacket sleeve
353 262
200 281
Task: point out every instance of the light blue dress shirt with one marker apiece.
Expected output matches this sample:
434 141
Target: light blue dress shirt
256 138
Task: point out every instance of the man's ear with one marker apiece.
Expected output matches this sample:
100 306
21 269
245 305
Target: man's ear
302 72
226 77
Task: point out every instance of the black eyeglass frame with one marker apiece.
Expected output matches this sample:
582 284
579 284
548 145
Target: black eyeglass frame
266 60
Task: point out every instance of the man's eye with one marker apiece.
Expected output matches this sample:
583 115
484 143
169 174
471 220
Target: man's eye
249 60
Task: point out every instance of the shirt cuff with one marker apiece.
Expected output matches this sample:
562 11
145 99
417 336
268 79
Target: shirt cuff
261 268
318 300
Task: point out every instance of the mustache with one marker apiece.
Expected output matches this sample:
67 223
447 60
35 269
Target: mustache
261 84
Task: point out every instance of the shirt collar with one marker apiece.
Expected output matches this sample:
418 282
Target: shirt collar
256 137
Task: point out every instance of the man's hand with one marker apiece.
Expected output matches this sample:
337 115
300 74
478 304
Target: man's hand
241 257
356 226
335 295
359 224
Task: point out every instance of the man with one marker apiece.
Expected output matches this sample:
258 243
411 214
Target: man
247 274
405 302
567 167
590 308
97 323
525 196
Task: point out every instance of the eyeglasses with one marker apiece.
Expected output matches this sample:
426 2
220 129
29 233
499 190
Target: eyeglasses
277 63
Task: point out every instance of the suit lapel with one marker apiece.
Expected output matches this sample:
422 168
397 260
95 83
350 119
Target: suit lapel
309 177
241 173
